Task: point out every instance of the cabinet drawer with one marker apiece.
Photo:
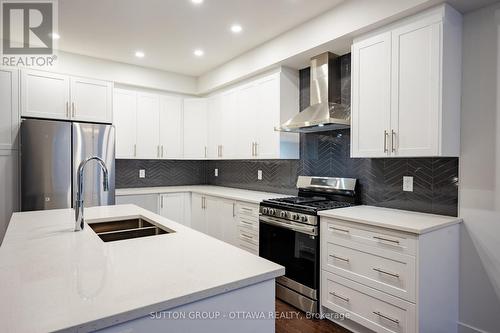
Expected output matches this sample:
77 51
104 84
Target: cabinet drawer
371 308
376 237
249 247
248 210
249 222
393 273
247 236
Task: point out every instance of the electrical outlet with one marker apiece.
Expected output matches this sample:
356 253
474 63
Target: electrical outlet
259 174
408 184
216 172
142 173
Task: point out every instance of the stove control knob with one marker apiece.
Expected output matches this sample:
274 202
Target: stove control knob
295 216
303 218
272 211
265 210
283 215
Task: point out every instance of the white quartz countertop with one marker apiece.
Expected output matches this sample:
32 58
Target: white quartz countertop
52 278
402 220
216 191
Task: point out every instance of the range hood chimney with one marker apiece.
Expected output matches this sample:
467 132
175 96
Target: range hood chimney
325 112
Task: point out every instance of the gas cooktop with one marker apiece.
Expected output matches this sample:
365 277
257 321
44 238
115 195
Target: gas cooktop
310 203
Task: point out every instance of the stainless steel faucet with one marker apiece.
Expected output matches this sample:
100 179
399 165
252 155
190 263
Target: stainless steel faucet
79 220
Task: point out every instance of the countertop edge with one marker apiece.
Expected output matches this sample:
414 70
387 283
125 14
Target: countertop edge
421 231
174 303
193 189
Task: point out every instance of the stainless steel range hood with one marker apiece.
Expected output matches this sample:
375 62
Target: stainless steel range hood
326 112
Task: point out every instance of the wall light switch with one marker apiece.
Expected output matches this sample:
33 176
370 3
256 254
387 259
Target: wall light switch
142 173
259 174
216 172
408 184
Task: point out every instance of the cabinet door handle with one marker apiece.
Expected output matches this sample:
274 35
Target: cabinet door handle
73 109
162 151
386 150
205 151
393 140
386 272
135 150
234 206
256 149
67 109
221 150
253 154
161 202
345 299
378 313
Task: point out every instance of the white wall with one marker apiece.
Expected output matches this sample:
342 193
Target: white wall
480 173
80 65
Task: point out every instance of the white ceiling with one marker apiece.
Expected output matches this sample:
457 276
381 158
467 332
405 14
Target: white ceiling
168 31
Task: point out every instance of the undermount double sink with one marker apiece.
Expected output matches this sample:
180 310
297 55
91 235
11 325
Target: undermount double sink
111 231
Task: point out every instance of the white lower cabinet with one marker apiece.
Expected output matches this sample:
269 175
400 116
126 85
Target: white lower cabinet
9 202
248 227
388 280
214 216
176 207
146 201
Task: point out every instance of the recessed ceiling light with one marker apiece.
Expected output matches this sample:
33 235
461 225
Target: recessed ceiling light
139 54
197 2
236 28
54 35
198 53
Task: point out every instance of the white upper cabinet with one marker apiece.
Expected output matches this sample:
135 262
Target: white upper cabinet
125 120
242 119
57 96
45 95
405 97
195 128
91 100
148 129
148 126
371 96
416 85
171 127
214 126
9 108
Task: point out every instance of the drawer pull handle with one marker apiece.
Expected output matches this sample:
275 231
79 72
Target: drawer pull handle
339 258
386 239
246 236
385 272
246 222
345 299
338 229
378 313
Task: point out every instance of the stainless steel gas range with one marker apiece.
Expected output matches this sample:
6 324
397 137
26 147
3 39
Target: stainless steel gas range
289 235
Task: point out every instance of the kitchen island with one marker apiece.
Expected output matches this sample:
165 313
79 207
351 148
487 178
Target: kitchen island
55 279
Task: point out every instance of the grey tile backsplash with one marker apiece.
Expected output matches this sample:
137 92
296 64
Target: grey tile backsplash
322 154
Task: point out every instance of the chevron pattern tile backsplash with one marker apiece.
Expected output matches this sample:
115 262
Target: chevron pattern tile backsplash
435 180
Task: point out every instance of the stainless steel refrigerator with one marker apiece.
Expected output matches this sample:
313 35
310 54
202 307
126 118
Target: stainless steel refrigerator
51 152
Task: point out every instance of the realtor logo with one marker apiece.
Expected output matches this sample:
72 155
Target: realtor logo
27 27
28 32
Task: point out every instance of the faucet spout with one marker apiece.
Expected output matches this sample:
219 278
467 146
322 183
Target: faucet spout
79 204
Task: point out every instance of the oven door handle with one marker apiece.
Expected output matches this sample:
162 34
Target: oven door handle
313 231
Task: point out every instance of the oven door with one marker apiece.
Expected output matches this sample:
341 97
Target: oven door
294 246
